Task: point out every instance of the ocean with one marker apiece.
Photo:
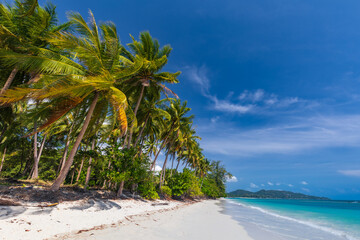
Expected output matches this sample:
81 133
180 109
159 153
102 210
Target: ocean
279 219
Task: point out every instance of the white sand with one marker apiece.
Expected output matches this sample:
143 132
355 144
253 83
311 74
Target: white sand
200 221
22 223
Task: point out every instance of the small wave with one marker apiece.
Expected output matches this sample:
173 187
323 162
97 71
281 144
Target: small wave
307 223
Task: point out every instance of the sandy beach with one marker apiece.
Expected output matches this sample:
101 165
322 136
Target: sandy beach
202 220
34 222
126 219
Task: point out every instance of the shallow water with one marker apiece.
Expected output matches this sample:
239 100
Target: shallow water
296 219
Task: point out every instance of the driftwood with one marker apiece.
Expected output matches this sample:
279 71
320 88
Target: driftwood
159 204
5 202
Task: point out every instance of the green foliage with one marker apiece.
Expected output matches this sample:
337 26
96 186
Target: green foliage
147 190
214 182
180 183
210 188
185 184
194 190
166 191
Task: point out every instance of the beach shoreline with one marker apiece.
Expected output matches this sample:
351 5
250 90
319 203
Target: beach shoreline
203 220
116 219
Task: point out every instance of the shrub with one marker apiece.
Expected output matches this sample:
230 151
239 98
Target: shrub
166 191
209 188
179 184
185 184
148 191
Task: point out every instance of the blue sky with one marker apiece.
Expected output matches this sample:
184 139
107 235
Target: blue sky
274 85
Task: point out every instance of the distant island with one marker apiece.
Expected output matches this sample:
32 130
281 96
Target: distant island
274 194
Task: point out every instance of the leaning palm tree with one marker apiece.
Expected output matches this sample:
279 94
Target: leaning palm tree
23 27
88 79
150 75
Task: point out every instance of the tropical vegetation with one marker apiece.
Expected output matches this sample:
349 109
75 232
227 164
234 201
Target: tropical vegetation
77 107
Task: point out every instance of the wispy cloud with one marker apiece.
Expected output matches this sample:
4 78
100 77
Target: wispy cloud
270 183
199 76
296 135
253 185
351 173
214 119
256 96
290 185
226 106
247 102
304 183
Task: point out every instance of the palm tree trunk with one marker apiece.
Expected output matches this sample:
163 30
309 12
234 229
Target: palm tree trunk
177 166
141 131
186 164
202 181
9 81
35 150
66 149
89 167
157 154
63 173
162 145
2 159
119 193
172 166
34 78
35 173
135 112
72 176
109 165
80 169
162 175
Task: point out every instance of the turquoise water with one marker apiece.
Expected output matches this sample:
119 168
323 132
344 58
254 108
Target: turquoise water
320 219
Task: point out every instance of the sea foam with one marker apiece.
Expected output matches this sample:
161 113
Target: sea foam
332 231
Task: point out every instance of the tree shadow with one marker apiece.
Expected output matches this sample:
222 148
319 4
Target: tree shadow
85 205
43 211
11 211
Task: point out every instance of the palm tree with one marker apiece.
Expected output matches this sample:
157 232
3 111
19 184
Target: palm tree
88 79
152 116
175 124
150 75
26 26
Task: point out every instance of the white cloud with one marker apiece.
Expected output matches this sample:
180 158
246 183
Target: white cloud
231 179
272 99
288 101
255 96
258 95
351 173
253 185
227 106
278 184
290 185
304 183
291 137
270 183
157 169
